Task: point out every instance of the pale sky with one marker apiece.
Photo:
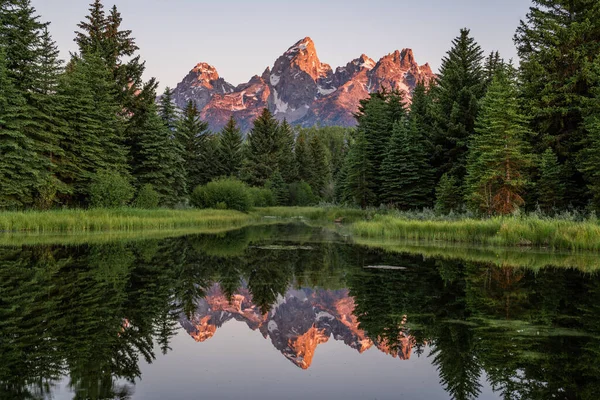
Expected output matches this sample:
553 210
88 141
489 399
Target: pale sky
242 37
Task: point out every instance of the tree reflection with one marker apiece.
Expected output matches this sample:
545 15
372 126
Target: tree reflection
92 313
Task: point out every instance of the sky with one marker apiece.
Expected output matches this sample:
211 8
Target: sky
242 37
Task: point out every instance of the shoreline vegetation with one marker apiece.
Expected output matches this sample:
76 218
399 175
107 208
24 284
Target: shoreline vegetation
370 225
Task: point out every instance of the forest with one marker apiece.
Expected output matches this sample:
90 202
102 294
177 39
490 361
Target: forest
487 136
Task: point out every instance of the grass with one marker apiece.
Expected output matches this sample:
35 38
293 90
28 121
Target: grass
561 233
512 231
126 219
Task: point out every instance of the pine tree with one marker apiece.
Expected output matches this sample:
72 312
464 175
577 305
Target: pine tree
407 177
18 177
320 175
279 188
459 88
287 160
192 132
498 152
168 110
550 187
376 117
448 194
92 37
153 164
421 116
231 156
93 137
359 170
303 157
263 149
557 44
493 63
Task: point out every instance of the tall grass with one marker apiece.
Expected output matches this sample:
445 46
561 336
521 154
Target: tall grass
126 219
512 231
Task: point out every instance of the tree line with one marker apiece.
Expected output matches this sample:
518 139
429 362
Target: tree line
92 132
483 135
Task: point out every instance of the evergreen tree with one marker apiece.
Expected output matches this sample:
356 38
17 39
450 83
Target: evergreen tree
498 154
320 173
376 117
448 194
287 161
279 188
93 137
557 44
493 63
177 147
459 87
231 156
407 177
303 157
168 110
263 149
192 131
421 116
550 187
153 162
359 170
18 176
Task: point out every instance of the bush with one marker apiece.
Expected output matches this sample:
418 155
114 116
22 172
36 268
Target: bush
225 193
262 197
110 190
301 194
147 198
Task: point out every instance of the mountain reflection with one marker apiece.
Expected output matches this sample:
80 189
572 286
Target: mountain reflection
299 321
87 315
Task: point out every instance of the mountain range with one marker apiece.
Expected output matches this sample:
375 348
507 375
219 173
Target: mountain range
299 88
300 321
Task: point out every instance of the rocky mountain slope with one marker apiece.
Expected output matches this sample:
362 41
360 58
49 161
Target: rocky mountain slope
296 325
300 88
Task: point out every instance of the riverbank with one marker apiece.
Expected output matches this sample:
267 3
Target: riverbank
126 219
524 231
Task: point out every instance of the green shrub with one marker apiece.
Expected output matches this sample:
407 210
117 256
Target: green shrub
110 190
262 197
301 194
225 193
147 198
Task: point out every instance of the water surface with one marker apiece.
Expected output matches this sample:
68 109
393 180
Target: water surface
293 312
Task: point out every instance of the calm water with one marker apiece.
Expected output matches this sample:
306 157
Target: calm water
289 312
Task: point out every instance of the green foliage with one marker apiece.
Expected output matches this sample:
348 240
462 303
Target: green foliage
147 198
448 194
110 190
153 161
498 153
17 170
359 172
459 87
276 184
376 117
230 153
262 197
557 44
264 146
231 192
93 136
407 177
320 171
287 161
301 194
550 185
192 134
